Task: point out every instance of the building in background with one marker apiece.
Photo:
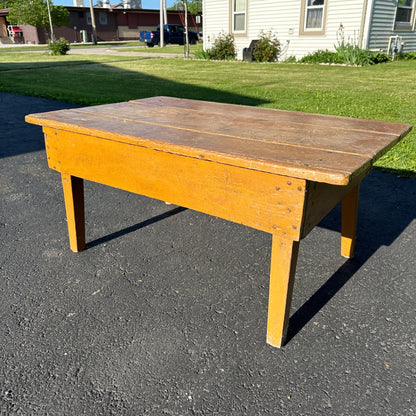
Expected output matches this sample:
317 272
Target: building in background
122 21
304 26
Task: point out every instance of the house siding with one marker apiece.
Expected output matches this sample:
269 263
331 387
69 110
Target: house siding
216 16
282 18
382 27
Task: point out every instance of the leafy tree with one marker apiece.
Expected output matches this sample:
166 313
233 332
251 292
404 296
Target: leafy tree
35 13
194 6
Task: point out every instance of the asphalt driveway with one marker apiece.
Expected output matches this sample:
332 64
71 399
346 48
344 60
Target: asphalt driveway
165 312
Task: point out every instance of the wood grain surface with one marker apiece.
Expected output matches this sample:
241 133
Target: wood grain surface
315 147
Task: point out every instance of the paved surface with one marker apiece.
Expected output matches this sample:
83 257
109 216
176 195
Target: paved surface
165 312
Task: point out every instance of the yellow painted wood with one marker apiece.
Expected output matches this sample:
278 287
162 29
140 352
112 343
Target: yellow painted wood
282 278
74 204
276 171
261 200
349 222
321 198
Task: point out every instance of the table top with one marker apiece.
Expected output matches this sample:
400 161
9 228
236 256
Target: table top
315 147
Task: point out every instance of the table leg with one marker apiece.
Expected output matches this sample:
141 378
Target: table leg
349 222
74 205
282 279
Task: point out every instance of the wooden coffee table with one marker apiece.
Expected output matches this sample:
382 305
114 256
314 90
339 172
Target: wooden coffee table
276 171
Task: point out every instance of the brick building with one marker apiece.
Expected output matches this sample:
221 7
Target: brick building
112 24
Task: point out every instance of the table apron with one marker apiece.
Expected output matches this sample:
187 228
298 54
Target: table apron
265 201
321 198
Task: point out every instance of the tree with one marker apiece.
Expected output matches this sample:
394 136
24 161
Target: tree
194 6
35 13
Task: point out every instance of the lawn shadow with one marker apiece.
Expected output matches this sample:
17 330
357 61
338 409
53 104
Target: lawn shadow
109 83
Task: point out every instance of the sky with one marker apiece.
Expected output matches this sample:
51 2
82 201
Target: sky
146 4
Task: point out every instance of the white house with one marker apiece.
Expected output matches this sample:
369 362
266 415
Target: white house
304 26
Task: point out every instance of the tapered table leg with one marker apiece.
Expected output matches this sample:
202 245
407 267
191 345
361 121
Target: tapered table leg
349 222
74 205
282 278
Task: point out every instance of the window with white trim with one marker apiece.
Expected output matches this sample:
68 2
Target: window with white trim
239 16
405 13
314 14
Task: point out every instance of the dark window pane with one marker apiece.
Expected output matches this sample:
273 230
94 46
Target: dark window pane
404 15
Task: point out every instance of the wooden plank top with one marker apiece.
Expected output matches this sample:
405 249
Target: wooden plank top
315 147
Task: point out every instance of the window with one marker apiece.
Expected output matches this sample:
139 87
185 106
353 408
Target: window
103 18
239 16
313 17
314 14
405 14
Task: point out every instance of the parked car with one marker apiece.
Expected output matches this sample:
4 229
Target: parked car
172 34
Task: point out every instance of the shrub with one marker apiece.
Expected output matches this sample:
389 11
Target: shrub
353 55
224 48
350 53
267 48
347 52
290 59
201 54
407 56
321 56
59 47
379 58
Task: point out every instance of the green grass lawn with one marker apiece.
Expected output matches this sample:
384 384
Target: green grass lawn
384 92
42 59
73 45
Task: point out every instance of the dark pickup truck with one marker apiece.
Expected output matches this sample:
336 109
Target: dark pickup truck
172 34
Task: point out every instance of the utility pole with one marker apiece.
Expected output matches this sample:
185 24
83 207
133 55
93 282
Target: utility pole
165 12
162 28
94 28
50 21
185 3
